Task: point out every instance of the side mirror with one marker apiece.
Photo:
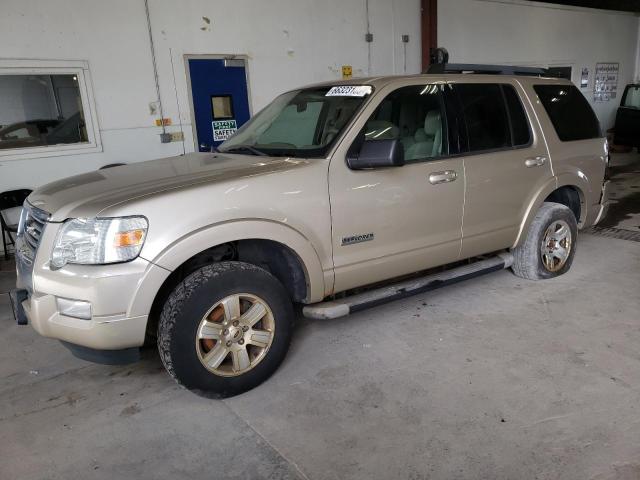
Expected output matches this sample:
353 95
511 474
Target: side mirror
376 154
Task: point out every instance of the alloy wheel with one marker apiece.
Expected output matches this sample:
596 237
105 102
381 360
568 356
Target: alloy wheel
235 335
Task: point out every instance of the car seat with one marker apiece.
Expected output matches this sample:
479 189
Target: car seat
428 140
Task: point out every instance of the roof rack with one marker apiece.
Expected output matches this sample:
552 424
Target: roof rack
486 69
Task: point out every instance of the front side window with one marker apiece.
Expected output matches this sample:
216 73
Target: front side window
569 112
301 123
632 97
40 110
414 116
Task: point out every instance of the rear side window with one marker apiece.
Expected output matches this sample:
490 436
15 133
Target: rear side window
570 113
519 123
485 116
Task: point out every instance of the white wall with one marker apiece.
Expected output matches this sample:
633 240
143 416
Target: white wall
289 43
533 33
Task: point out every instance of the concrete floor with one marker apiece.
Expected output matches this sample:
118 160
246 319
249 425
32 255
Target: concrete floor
625 193
494 378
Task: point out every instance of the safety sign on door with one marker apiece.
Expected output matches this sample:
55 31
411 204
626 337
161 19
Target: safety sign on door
223 129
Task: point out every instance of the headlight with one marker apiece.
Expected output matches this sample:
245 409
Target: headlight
98 241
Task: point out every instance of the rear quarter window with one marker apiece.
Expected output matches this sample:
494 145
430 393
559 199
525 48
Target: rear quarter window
569 112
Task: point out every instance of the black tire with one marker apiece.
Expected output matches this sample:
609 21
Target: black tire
527 257
189 303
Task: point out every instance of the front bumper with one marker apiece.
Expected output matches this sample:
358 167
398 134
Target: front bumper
115 321
113 332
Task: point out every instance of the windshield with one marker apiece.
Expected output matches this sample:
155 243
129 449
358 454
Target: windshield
301 123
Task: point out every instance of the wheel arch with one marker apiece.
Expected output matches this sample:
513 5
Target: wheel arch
280 249
567 191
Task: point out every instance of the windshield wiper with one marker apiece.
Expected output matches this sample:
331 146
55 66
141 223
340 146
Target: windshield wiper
245 148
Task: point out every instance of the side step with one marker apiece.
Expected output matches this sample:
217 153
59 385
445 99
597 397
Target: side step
406 288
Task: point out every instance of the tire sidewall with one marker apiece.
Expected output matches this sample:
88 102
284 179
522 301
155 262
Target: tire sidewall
185 363
558 212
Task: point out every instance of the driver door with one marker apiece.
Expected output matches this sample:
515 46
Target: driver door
392 221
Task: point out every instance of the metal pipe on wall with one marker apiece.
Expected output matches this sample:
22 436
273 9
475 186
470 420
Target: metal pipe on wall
155 68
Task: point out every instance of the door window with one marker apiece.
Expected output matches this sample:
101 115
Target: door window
413 115
222 107
485 116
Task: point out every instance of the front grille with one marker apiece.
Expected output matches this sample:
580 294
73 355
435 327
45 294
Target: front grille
33 222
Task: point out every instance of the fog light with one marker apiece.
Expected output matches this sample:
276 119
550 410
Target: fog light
74 308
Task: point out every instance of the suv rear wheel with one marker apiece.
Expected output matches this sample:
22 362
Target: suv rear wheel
225 329
550 244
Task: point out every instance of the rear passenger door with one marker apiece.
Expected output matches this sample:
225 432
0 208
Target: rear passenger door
506 163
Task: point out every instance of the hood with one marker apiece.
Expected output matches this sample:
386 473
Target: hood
88 194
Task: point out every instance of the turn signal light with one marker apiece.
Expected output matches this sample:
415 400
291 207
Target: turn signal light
131 238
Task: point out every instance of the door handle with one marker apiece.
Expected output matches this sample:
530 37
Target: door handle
446 176
535 161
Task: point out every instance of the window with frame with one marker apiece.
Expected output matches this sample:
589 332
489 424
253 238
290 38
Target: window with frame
494 116
570 113
485 116
414 115
40 110
46 109
222 107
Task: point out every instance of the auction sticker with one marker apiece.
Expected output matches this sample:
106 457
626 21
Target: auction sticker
223 129
349 91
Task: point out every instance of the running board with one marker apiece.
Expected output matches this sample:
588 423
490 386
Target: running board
355 303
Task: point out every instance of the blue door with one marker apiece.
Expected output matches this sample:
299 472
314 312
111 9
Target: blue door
220 100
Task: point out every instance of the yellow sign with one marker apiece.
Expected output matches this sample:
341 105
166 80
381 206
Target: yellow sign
161 121
347 72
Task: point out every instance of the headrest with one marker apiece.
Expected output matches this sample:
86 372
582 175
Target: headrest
432 123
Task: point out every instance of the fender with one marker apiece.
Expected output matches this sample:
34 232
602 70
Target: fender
179 251
579 182
582 183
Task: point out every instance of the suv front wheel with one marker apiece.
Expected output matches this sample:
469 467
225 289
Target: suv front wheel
225 328
550 244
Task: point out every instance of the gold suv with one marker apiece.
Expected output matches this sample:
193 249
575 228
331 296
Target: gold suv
329 189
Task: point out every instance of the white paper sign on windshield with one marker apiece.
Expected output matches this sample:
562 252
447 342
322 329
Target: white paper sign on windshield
349 91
